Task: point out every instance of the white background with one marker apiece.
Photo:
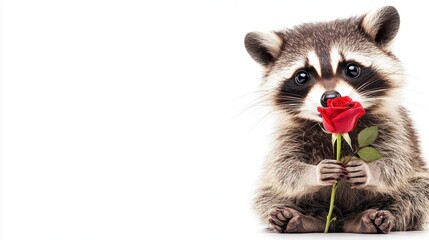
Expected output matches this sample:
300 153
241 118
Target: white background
141 120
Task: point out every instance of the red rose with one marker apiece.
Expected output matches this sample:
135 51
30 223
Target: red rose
341 115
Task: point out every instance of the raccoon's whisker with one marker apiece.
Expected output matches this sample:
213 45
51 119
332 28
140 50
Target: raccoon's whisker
260 94
262 119
391 100
370 93
247 110
377 99
290 96
260 97
293 95
253 110
360 88
396 101
250 93
291 104
398 72
375 90
291 99
254 105
258 110
367 83
257 102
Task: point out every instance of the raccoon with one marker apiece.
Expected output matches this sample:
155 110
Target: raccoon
303 68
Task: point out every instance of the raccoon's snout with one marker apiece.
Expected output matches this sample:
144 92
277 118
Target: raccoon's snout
328 95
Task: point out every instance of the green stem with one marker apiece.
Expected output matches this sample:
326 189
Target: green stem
334 187
350 158
339 147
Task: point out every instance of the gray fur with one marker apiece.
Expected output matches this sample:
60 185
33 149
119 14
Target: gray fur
300 144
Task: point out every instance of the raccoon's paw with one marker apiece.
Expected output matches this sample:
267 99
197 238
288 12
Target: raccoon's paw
286 220
358 174
371 221
382 220
328 171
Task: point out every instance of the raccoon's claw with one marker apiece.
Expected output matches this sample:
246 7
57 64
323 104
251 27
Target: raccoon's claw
286 220
329 171
371 221
358 174
278 220
382 220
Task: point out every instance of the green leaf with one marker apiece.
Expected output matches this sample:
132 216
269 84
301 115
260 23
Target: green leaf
367 136
347 139
369 154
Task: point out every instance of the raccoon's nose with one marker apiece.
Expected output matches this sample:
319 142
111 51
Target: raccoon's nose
328 95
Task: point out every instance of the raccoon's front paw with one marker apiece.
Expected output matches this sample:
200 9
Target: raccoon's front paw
328 171
286 220
358 174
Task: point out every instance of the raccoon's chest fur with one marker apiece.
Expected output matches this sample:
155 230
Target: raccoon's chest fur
313 145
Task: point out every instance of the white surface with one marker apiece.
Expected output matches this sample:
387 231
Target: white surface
140 120
335 236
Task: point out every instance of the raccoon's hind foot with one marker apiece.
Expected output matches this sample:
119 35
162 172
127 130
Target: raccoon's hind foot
288 220
371 221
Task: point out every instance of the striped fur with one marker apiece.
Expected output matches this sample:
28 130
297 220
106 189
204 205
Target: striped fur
323 49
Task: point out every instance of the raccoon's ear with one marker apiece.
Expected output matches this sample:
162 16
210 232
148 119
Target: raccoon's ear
381 25
264 48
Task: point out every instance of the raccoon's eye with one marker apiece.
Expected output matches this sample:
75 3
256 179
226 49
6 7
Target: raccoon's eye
301 77
352 70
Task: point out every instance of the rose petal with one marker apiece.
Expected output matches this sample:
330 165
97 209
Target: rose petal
341 115
335 111
326 119
347 121
339 101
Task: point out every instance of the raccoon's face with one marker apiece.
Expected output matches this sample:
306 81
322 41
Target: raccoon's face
307 65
